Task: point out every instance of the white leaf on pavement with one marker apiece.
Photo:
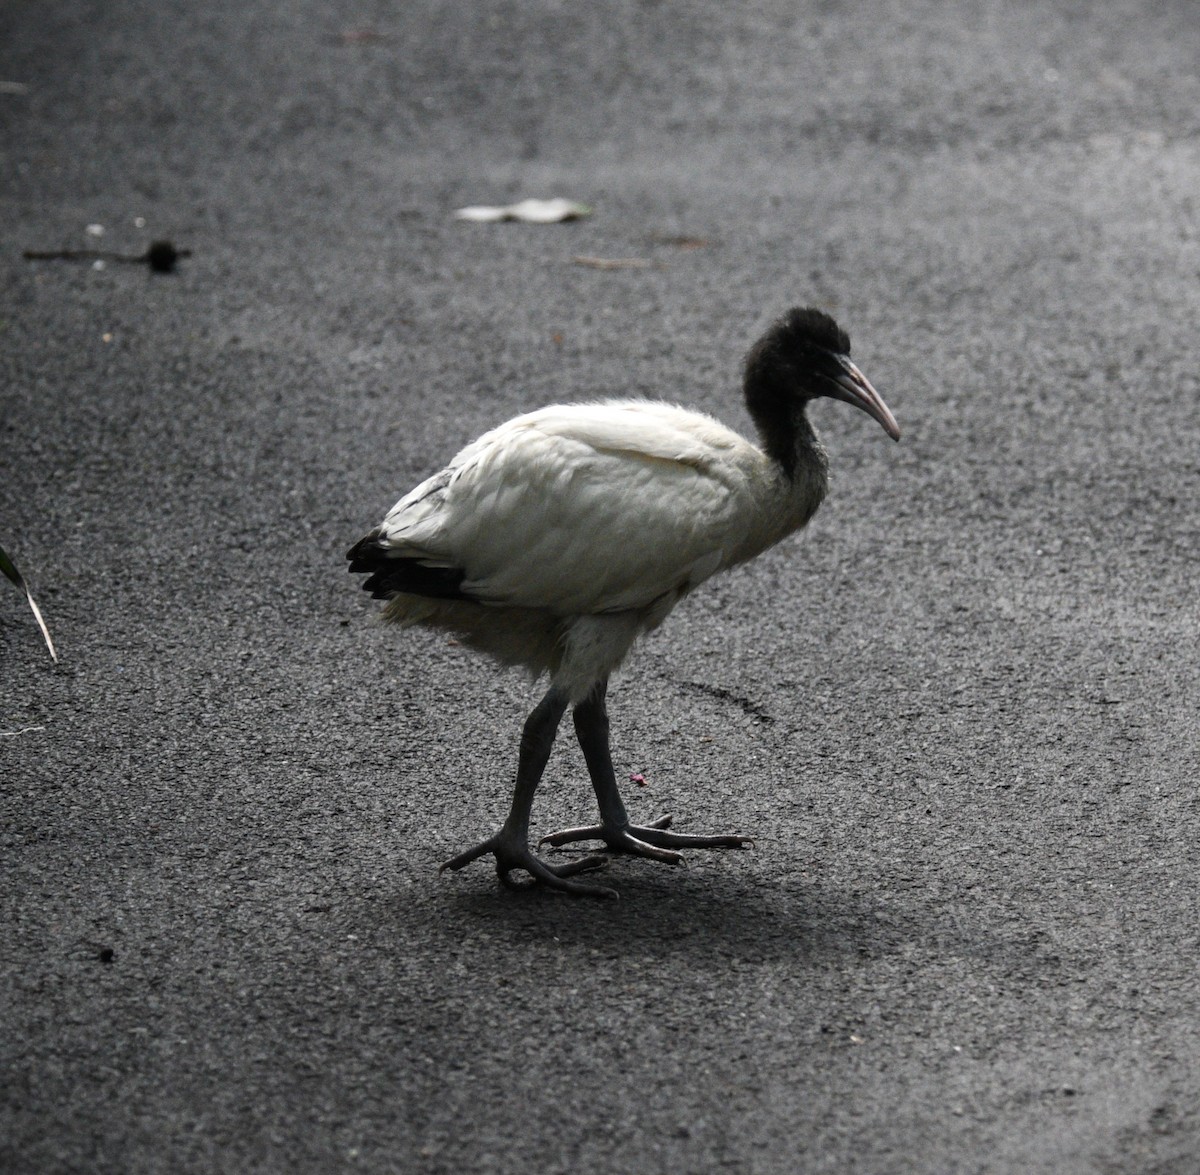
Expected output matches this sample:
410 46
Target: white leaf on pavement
530 211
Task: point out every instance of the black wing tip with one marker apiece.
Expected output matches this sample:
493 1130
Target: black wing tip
392 575
366 554
408 577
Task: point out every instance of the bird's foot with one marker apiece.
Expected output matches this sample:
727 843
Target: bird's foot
646 840
513 852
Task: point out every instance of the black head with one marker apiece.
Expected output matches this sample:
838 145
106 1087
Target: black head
805 354
799 355
806 328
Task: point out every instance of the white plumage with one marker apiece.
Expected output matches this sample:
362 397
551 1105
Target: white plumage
555 540
530 512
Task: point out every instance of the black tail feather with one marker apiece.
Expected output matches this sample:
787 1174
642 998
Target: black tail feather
390 574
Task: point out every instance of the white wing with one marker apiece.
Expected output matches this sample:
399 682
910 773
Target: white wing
585 508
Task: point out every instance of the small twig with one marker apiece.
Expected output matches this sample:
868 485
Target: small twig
682 242
161 256
612 262
23 730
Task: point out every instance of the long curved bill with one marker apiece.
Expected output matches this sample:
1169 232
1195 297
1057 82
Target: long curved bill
856 389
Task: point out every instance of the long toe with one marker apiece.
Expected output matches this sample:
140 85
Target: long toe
652 840
513 854
555 876
656 834
566 836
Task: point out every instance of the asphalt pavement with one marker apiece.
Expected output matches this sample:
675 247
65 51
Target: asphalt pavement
958 713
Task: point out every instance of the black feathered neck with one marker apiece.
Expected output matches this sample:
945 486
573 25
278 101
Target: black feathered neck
785 369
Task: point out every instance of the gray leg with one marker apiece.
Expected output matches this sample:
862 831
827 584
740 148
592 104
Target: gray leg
510 845
615 830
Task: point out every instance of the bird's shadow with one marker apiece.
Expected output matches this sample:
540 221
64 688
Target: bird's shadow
669 914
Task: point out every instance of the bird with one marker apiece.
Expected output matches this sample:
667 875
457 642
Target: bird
556 540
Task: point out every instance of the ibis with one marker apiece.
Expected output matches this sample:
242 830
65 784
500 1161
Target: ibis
557 539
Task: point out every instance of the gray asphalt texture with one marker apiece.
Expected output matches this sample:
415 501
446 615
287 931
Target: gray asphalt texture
959 713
